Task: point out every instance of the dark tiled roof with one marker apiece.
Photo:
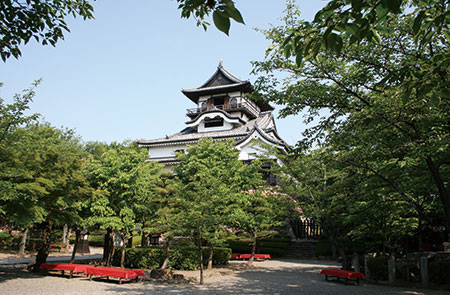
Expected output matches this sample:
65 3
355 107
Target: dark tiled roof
222 81
264 124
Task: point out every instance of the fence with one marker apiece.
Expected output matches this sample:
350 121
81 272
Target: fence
305 229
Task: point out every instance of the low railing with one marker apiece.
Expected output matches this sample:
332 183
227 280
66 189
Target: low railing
251 108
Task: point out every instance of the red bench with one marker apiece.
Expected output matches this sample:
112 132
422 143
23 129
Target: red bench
72 268
115 272
340 273
247 256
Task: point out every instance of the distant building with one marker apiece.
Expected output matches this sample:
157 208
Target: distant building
222 112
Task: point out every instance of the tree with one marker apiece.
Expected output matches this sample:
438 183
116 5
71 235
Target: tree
258 212
372 111
205 187
117 202
211 181
12 117
161 210
348 203
43 20
46 181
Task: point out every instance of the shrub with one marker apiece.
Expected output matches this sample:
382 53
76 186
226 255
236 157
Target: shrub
181 258
439 271
140 257
94 240
323 248
8 242
378 267
276 246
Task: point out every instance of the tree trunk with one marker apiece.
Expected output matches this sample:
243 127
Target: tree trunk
65 238
76 245
122 253
419 236
200 248
252 257
107 246
345 264
444 195
144 241
210 259
166 260
64 235
42 254
110 258
23 242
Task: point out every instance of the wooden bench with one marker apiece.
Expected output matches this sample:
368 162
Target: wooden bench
72 268
115 272
340 273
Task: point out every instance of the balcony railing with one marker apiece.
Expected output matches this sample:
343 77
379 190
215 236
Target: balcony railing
243 106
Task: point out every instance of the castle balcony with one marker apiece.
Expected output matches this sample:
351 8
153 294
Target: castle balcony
249 107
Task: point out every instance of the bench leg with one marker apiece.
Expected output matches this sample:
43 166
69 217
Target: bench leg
357 281
90 277
326 277
71 274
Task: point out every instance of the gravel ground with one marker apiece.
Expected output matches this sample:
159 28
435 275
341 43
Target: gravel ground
268 277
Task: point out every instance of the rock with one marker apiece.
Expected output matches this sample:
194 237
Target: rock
161 274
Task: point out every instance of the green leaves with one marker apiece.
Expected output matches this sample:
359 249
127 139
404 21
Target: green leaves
222 12
42 20
221 21
374 88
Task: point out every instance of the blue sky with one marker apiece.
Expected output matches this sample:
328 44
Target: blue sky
119 76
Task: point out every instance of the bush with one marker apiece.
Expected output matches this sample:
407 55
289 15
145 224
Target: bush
148 258
94 240
439 271
276 246
181 258
378 267
323 248
9 242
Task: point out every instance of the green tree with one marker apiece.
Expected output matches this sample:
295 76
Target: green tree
349 204
211 180
162 212
259 212
46 181
368 105
43 20
118 203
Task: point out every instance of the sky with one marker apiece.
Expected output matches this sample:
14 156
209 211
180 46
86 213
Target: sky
119 77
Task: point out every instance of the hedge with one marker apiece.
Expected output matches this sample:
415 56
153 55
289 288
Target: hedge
9 242
181 258
276 247
439 271
378 267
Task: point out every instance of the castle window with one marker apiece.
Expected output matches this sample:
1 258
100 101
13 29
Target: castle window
219 101
204 105
213 122
233 103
